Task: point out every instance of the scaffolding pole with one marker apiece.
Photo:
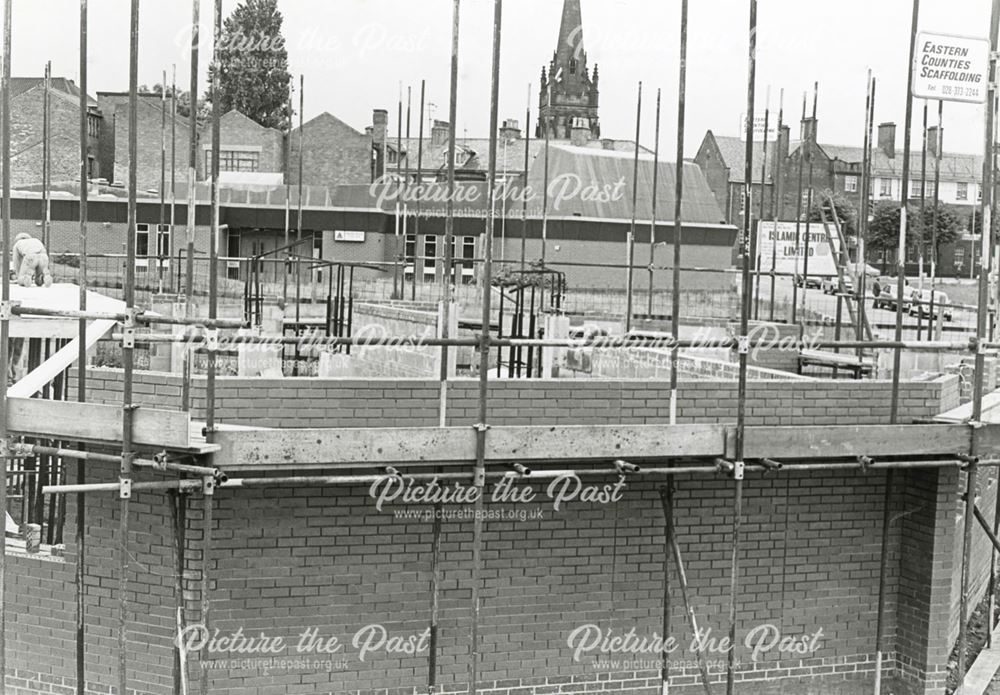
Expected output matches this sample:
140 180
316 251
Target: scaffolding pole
192 178
479 477
208 483
128 353
675 298
776 198
743 353
652 218
447 291
811 144
81 377
760 216
630 243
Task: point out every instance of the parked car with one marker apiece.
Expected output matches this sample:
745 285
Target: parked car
884 290
814 281
920 304
831 285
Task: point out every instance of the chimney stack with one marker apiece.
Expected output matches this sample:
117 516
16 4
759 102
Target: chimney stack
932 140
809 130
379 131
510 130
887 139
579 132
439 133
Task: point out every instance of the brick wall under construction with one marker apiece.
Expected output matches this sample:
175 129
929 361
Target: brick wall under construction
325 559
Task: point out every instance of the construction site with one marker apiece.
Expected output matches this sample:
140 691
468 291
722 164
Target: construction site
280 472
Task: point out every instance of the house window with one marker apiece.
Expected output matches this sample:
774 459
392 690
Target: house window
962 192
959 259
141 240
233 251
572 66
430 255
915 188
979 193
466 254
885 188
851 184
234 160
408 252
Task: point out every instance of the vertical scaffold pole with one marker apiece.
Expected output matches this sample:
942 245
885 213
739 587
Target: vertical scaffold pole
479 475
128 351
981 328
810 144
798 221
743 350
446 298
213 300
524 198
675 290
938 144
777 202
630 250
4 317
904 202
192 181
302 133
652 216
81 375
760 215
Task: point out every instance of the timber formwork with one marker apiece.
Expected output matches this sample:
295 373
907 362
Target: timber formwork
204 456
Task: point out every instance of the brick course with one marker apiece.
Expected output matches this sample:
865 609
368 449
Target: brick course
288 559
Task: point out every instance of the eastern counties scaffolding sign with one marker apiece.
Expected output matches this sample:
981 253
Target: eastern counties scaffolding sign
951 68
776 242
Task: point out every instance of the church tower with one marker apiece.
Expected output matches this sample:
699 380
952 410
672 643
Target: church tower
568 97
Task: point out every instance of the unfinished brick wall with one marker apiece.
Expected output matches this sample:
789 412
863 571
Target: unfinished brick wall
387 402
290 559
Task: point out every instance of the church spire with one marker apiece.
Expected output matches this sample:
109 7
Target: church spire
570 46
568 99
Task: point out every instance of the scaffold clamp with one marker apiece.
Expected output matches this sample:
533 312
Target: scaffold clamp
208 485
866 463
128 338
125 488
160 461
5 311
212 339
743 344
738 470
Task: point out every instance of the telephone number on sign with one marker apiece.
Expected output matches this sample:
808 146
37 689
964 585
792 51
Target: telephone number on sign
952 91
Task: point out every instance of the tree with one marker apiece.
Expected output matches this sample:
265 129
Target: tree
183 101
883 230
847 214
974 222
253 64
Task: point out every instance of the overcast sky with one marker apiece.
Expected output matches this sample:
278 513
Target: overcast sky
355 53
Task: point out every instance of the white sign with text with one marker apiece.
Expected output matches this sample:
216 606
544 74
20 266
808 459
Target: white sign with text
951 68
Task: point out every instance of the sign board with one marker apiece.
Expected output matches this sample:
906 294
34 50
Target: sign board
342 235
776 241
951 68
758 128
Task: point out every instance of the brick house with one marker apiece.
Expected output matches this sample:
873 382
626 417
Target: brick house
27 111
246 146
114 155
838 168
334 153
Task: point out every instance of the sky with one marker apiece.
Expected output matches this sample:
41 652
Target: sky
355 54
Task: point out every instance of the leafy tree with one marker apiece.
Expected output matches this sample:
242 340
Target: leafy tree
883 230
974 222
847 213
253 64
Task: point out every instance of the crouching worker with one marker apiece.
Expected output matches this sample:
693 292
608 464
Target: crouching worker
31 261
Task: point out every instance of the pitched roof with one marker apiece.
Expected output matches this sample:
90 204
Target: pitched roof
601 169
472 153
733 151
327 116
20 85
954 166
